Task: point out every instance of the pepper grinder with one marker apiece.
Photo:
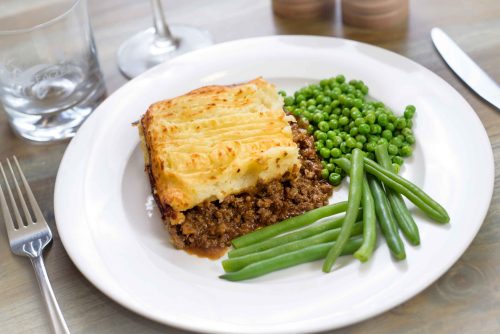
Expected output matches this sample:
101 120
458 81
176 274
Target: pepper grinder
375 14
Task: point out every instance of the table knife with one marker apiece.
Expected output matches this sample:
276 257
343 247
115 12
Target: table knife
466 68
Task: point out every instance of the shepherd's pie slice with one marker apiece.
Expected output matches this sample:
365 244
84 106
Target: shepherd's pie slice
217 141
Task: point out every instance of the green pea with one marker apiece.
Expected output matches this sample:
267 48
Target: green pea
358 121
324 152
397 142
364 129
400 123
299 98
355 113
340 78
337 141
406 132
354 131
344 148
343 120
397 160
348 156
337 111
406 150
390 126
289 100
387 134
333 124
358 103
320 98
370 147
349 102
361 139
325 173
335 103
324 83
396 168
335 179
364 89
338 170
335 152
330 134
329 166
375 129
327 109
351 142
342 99
311 109
310 129
343 135
409 111
322 136
370 118
409 123
410 139
311 102
392 149
344 87
329 143
323 126
382 119
359 145
382 141
318 118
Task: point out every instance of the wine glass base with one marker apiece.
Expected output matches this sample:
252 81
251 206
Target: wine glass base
142 51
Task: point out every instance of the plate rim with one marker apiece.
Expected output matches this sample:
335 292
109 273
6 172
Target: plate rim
86 127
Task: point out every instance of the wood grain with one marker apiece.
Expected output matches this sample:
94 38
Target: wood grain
465 300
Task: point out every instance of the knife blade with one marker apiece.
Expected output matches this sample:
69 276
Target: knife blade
466 68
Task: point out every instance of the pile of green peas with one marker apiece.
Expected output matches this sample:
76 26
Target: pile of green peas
341 118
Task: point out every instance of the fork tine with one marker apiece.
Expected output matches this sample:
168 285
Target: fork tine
9 224
31 197
20 196
12 201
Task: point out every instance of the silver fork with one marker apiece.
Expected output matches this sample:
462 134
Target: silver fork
30 239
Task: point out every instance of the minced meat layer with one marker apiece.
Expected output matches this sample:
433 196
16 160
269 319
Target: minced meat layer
214 224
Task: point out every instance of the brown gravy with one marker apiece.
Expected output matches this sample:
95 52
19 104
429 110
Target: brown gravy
210 253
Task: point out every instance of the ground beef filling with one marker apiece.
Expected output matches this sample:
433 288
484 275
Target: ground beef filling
215 224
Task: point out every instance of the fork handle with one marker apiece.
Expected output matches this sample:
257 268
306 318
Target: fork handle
56 316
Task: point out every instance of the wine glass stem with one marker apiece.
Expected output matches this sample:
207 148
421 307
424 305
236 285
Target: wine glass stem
162 31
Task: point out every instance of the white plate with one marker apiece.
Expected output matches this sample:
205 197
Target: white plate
111 228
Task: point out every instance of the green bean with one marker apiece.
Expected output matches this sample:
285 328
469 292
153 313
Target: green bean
416 195
401 212
369 217
354 200
410 190
308 254
386 220
289 237
238 263
289 224
369 229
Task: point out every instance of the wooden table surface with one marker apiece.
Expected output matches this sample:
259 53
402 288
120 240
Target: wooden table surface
465 300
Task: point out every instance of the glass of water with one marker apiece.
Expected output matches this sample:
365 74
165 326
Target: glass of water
50 79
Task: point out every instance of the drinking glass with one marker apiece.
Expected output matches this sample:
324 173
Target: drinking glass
158 44
50 79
